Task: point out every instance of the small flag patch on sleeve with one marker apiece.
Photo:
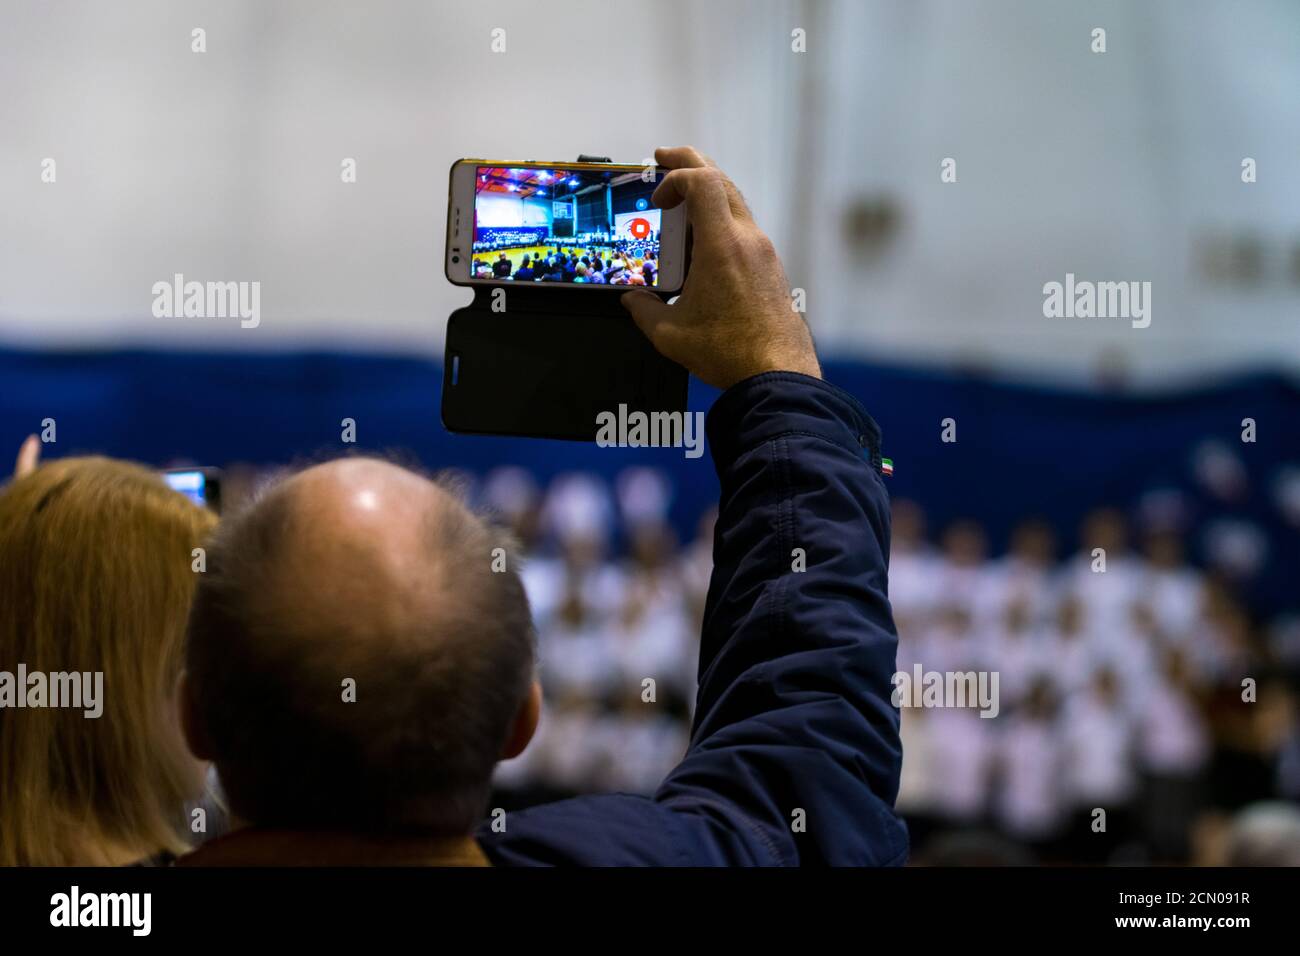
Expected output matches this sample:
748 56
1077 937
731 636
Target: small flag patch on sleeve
886 466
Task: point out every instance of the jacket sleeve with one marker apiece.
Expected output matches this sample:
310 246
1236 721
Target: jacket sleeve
794 755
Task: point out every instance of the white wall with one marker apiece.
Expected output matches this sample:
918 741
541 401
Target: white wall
536 212
225 165
492 209
1105 165
503 209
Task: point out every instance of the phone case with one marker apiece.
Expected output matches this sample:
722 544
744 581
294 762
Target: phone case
549 362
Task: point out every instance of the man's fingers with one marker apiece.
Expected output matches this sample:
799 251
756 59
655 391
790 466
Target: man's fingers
28 456
688 157
707 205
681 157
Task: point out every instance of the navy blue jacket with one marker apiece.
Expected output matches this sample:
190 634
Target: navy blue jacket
793 712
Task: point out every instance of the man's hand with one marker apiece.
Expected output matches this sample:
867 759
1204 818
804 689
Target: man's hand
734 318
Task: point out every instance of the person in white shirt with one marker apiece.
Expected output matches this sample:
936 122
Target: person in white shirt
914 566
648 742
1024 575
950 643
1100 770
1073 658
964 747
922 779
1029 804
1014 648
962 573
1105 575
1172 589
1174 750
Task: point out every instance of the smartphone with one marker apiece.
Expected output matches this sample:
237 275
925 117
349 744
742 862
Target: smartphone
200 485
577 225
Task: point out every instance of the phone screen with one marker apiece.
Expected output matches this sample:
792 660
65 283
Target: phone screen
582 226
197 484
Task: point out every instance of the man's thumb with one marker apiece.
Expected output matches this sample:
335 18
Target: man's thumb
647 309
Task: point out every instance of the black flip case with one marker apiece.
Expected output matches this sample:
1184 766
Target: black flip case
550 362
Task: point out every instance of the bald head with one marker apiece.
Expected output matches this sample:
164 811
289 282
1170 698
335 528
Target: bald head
339 518
353 659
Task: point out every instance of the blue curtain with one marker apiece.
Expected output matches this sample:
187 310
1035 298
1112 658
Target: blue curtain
1021 451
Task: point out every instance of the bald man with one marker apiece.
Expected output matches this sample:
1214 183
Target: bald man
355 667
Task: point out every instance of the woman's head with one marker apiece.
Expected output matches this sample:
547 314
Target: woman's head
96 576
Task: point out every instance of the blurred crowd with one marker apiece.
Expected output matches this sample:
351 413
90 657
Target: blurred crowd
617 635
1130 682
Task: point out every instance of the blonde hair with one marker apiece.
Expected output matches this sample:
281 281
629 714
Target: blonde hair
95 576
